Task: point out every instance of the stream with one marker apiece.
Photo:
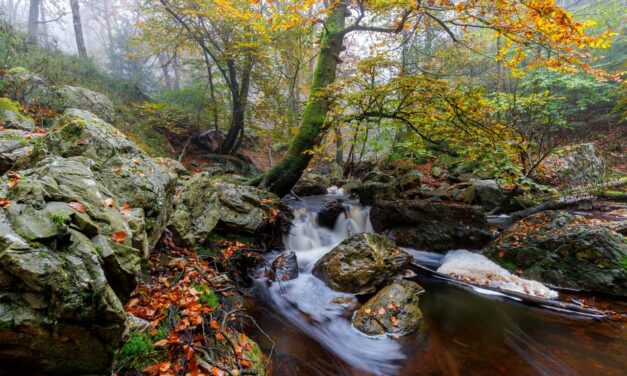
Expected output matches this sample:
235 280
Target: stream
465 331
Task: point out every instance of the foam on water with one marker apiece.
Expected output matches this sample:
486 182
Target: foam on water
478 269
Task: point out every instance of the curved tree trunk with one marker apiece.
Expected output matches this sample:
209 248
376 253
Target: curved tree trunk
283 176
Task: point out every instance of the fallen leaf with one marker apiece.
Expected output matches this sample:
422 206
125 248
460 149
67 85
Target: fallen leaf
119 236
77 206
110 202
161 343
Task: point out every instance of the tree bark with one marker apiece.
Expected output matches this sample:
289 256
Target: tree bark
78 28
33 22
283 176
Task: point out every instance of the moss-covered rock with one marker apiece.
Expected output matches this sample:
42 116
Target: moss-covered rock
565 250
361 263
196 211
63 277
85 99
12 118
311 184
372 192
392 310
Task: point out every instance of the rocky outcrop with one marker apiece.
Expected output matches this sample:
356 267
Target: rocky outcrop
21 85
16 137
434 226
394 310
284 267
80 213
361 263
575 165
565 250
311 185
85 99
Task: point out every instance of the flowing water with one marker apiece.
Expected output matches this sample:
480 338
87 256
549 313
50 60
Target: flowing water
466 332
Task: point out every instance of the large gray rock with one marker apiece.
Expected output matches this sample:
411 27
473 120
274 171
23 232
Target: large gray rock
372 192
575 165
565 250
85 99
21 85
394 310
11 118
63 277
128 172
487 193
434 226
197 210
361 263
15 144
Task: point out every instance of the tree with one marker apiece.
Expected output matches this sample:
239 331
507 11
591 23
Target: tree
537 31
33 21
78 28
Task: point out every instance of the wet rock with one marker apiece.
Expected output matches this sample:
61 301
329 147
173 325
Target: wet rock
487 193
85 99
15 144
311 185
197 210
565 250
361 263
373 192
330 211
393 310
284 267
434 226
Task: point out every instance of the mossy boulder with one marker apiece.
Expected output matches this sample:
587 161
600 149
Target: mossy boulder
21 85
128 172
566 250
85 99
63 278
372 192
361 263
196 211
393 310
429 225
12 118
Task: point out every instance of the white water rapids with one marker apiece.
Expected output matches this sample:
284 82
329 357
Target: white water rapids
324 314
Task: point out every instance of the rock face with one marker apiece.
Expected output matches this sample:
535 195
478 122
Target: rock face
85 207
393 310
329 212
284 267
196 211
11 118
16 139
312 185
85 99
434 226
127 171
564 250
361 263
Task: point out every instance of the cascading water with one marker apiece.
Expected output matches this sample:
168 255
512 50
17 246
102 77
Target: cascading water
474 332
320 312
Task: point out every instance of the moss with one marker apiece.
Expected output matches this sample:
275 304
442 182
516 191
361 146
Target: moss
60 220
137 352
18 71
7 104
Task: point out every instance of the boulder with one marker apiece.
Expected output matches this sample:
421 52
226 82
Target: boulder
196 210
329 212
311 185
352 187
85 99
487 193
251 211
409 181
361 263
564 250
173 166
394 310
284 267
372 192
21 85
68 264
12 118
434 226
376 176
15 144
574 166
128 172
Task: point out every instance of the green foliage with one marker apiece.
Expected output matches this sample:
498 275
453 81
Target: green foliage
137 352
7 104
207 296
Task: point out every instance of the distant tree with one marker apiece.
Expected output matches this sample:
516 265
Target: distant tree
33 21
78 28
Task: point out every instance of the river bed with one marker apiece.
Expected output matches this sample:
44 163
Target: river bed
466 332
